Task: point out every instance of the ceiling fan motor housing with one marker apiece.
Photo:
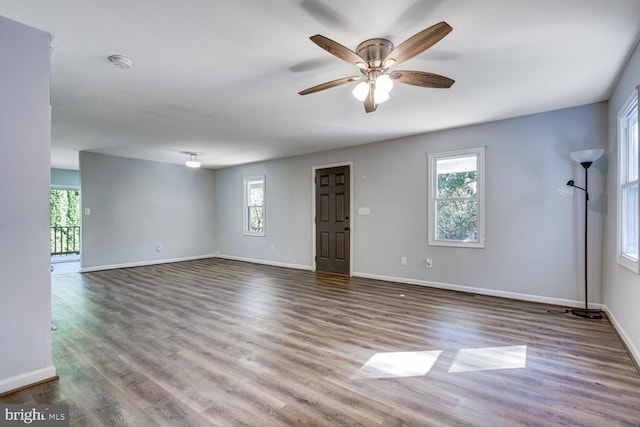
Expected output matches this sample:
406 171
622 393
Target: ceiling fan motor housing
374 51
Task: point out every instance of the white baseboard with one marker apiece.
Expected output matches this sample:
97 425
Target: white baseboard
265 262
143 263
439 285
480 291
623 334
26 379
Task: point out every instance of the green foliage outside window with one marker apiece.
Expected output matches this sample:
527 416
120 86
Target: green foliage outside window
65 221
256 219
65 208
457 206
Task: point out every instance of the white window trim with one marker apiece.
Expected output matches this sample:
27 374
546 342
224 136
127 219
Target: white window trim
432 182
624 260
245 205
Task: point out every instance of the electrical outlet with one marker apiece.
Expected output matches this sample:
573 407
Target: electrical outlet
403 260
158 247
429 263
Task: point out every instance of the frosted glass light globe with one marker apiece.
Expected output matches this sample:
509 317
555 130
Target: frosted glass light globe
361 91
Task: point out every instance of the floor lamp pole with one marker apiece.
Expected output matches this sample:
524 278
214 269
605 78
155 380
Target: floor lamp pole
586 313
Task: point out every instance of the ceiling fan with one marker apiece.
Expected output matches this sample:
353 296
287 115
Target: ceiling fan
375 57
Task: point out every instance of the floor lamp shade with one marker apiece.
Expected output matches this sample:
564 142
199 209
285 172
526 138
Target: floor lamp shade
583 156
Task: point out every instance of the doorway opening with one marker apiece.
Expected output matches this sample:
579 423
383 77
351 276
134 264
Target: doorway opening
65 225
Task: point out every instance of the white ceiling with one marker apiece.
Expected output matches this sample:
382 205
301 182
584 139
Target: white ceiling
221 77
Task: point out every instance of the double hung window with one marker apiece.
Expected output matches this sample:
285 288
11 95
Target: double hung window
628 213
254 206
456 198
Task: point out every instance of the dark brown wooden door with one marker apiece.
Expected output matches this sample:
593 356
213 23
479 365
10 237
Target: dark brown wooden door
332 220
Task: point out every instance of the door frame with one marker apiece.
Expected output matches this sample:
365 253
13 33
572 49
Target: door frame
352 221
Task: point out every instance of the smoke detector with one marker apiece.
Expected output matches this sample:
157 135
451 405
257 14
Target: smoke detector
121 61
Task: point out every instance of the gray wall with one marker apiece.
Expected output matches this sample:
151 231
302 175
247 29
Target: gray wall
65 178
622 287
533 235
288 213
136 204
25 291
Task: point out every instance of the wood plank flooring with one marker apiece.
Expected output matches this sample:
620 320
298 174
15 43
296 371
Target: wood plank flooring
223 343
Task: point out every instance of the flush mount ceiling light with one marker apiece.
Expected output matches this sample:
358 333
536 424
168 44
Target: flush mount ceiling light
193 161
374 59
121 61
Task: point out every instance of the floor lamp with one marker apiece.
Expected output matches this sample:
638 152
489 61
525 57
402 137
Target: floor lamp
586 159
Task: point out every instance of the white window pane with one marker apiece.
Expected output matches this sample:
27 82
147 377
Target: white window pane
457 184
255 222
256 195
457 220
632 149
629 229
457 164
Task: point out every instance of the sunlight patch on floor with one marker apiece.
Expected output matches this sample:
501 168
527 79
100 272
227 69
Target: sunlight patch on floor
489 358
400 364
419 363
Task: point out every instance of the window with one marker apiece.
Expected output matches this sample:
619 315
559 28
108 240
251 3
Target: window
456 198
628 184
254 206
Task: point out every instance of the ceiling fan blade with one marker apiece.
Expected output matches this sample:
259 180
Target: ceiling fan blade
421 78
329 85
369 102
342 52
417 44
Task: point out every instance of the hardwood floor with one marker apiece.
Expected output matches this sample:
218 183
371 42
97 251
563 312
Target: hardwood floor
223 343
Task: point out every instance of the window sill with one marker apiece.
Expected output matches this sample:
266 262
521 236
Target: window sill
628 263
457 244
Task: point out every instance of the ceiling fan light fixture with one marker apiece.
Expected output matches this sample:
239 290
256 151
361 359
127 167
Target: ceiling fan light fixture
388 63
384 83
193 161
361 91
380 96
